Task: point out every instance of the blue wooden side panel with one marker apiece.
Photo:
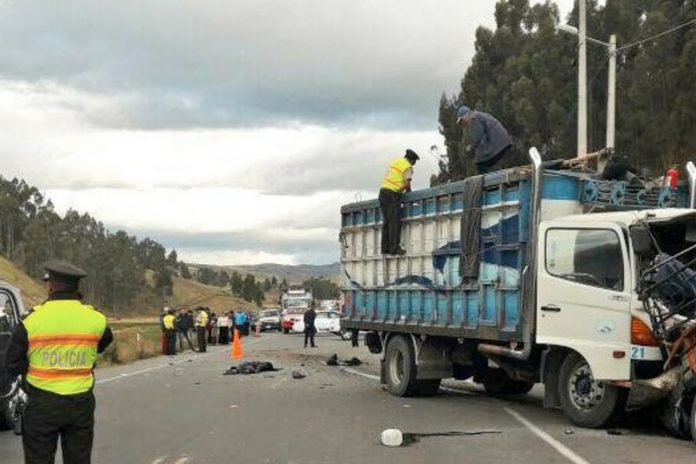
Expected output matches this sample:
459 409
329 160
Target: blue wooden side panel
424 288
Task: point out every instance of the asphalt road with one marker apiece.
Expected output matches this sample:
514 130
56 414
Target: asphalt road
182 410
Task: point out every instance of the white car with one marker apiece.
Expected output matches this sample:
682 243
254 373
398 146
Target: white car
269 319
325 322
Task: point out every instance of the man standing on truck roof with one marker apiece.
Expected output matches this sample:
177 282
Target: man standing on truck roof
55 349
396 181
490 144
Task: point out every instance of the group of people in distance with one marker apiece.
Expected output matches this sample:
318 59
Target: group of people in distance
208 327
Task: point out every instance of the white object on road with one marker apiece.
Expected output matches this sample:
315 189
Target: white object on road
392 437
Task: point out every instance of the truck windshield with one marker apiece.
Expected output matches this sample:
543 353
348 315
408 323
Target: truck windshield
586 256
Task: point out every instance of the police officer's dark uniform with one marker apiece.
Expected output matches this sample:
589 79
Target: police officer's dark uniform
55 349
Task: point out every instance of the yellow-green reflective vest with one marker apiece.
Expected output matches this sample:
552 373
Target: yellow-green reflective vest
63 337
394 179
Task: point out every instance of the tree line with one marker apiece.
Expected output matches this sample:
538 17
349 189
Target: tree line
246 287
525 74
31 233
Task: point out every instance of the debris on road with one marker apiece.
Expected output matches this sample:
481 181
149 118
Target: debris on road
568 431
392 437
334 361
395 437
250 367
299 374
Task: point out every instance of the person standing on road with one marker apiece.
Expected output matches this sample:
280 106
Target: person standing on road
183 327
396 181
201 327
170 330
490 144
55 349
223 329
309 328
240 322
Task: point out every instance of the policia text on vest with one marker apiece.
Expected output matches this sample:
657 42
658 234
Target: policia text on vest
55 349
396 181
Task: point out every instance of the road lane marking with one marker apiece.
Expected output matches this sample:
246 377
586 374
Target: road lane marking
361 374
171 363
552 442
555 444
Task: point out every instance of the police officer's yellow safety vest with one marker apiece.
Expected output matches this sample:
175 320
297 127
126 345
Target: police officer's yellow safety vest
63 337
202 320
169 322
394 179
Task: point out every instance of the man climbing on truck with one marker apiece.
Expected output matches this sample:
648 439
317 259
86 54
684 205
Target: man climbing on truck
396 181
490 143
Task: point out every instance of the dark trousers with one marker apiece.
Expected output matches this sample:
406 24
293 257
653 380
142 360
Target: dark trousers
503 160
171 341
200 333
48 416
183 334
390 205
224 336
354 338
309 336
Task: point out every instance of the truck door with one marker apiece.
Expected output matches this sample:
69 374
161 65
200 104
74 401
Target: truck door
583 294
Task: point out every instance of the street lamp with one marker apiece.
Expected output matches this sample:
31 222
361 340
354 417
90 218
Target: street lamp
611 88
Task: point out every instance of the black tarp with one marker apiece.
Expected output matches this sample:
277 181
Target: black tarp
470 237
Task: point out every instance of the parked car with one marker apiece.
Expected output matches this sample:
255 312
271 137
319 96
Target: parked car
269 319
326 322
12 397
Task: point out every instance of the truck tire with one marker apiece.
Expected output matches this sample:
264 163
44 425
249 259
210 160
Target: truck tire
400 367
498 383
585 401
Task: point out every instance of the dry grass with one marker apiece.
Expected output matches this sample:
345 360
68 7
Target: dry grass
33 291
132 343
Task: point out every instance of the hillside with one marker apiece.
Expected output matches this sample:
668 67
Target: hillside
186 293
294 274
189 294
33 291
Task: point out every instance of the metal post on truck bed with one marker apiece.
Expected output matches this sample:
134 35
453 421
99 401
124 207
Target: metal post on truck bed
691 171
529 280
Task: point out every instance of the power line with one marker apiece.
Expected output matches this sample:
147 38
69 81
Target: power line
647 39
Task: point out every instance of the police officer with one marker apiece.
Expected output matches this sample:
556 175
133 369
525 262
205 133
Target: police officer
169 322
201 324
55 349
396 181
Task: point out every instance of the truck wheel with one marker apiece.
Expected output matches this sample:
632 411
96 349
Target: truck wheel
400 367
586 401
497 382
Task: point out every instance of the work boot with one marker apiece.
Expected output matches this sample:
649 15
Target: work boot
400 251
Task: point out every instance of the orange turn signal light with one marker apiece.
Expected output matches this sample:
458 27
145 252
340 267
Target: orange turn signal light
641 334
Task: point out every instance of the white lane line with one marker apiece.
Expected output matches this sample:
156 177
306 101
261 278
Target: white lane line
555 444
552 442
350 370
160 459
171 363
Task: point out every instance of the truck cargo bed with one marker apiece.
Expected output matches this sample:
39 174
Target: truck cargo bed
423 291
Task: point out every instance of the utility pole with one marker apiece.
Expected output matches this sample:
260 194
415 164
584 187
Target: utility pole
611 102
611 94
582 78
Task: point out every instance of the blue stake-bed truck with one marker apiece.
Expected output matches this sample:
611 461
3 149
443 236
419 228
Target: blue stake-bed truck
522 276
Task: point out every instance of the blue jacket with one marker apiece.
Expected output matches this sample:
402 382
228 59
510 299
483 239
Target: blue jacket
488 137
240 318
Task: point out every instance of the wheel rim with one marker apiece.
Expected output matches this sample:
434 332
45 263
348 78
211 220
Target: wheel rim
584 391
396 368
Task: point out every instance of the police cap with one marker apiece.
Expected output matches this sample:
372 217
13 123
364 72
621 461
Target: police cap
60 270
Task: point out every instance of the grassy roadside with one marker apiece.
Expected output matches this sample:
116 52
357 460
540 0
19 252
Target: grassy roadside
133 340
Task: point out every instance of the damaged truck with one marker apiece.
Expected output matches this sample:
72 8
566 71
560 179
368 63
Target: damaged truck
545 273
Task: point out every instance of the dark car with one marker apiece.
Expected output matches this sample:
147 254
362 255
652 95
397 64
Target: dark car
12 397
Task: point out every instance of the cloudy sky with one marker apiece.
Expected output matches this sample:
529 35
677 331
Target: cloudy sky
231 130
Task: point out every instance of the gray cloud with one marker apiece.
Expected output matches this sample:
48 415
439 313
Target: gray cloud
305 250
212 63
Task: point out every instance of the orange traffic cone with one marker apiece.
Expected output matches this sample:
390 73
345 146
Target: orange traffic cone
237 351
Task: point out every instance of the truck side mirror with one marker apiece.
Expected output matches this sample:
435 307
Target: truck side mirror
642 241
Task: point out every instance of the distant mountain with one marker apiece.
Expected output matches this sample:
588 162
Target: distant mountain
293 273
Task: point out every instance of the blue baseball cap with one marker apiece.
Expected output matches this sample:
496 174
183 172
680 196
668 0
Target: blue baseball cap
462 112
